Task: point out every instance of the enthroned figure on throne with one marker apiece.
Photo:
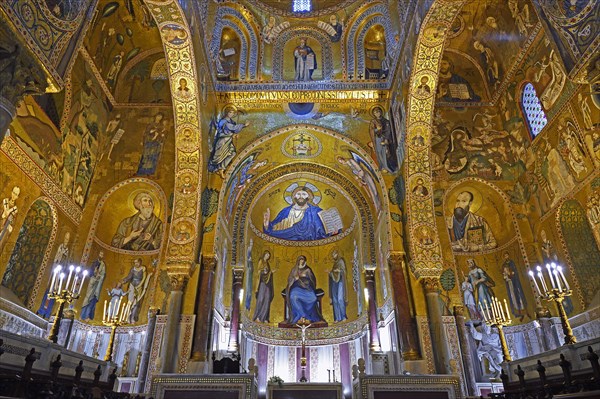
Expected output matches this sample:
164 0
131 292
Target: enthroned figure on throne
301 294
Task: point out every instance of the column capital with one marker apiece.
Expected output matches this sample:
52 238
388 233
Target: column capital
238 275
21 75
208 262
153 312
459 310
430 284
396 260
178 281
369 274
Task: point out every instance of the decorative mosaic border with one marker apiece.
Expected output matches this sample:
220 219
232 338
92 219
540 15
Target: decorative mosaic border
186 324
314 243
383 11
426 262
335 334
356 84
45 34
52 191
216 39
181 64
371 384
161 322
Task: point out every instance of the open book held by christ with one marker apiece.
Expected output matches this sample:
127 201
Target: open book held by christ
332 221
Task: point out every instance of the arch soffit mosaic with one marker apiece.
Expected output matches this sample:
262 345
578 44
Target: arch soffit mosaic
426 262
180 257
360 23
230 17
286 130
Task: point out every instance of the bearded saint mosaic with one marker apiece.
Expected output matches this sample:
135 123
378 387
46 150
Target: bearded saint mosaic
303 219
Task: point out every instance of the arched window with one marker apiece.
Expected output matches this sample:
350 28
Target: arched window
302 6
532 108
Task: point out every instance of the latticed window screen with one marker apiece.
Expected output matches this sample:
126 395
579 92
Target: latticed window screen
534 114
302 6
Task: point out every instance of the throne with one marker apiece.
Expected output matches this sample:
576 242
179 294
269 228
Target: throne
284 324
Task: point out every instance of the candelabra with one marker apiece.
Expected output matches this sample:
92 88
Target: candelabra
559 291
495 316
64 293
115 315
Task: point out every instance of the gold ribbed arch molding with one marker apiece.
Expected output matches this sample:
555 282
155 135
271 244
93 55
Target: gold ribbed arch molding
427 259
180 256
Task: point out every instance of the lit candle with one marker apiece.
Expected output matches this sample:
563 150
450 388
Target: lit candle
109 314
548 267
77 277
54 274
482 312
71 268
490 309
506 307
60 282
104 315
537 287
502 315
557 280
85 273
541 277
559 268
499 307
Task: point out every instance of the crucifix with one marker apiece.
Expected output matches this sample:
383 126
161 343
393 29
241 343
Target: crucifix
304 325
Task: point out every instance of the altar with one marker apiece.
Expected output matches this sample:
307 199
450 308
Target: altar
313 390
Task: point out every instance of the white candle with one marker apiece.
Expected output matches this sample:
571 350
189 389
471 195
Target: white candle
84 275
104 314
507 314
60 282
559 268
482 308
54 274
487 313
499 308
537 287
502 315
548 267
544 286
557 280
77 277
109 314
71 268
482 312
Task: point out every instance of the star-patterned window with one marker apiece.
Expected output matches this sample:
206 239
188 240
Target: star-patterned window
302 6
532 108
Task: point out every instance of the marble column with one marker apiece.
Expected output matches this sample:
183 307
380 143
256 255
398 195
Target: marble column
439 341
463 339
204 301
19 76
238 277
169 350
145 360
406 326
374 342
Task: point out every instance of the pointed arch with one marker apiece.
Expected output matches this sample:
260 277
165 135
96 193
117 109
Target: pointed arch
31 253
